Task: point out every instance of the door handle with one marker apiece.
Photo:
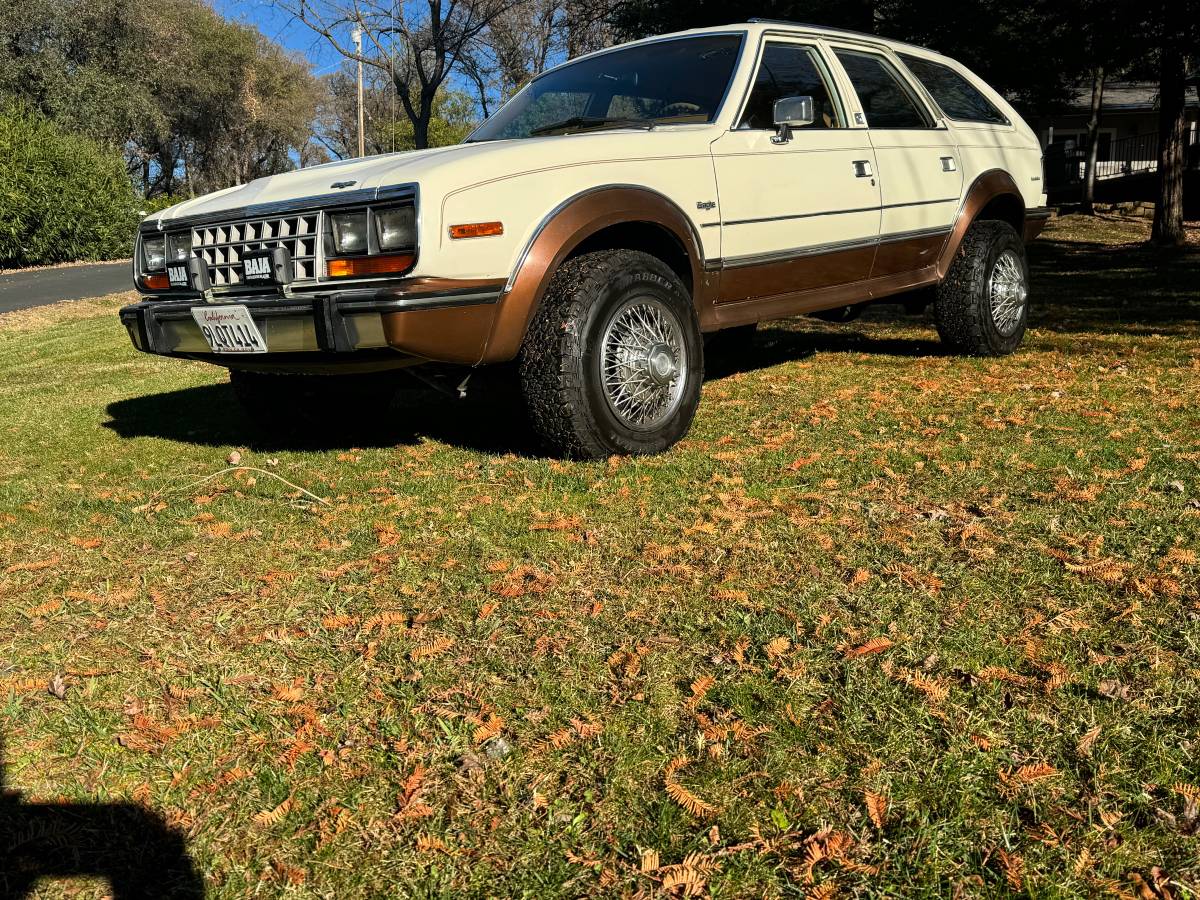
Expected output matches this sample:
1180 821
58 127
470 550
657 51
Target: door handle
948 164
862 168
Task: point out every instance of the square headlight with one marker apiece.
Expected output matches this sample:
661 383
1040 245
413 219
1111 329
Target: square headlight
350 232
179 246
397 228
154 253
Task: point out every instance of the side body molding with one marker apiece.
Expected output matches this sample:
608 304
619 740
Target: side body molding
565 229
991 185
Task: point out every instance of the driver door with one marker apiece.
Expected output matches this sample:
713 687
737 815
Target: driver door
800 215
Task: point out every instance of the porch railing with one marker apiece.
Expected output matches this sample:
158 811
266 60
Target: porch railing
1137 155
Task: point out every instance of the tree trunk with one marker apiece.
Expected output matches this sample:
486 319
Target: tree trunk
420 122
1089 183
1168 214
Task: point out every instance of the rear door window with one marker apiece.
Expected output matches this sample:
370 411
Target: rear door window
886 100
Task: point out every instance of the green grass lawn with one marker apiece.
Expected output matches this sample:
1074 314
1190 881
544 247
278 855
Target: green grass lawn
889 622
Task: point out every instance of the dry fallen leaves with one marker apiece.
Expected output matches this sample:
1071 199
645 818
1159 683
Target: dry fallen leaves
874 645
876 807
57 687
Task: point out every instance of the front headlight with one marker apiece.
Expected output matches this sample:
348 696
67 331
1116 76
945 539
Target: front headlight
397 228
154 253
179 246
350 231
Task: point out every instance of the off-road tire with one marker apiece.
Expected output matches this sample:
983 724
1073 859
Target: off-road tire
559 362
962 311
280 403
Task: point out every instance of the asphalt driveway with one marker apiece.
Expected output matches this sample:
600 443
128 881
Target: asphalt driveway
22 290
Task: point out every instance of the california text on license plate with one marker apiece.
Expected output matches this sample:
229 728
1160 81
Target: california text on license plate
229 329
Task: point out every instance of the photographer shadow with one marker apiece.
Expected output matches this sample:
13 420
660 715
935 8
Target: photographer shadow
130 847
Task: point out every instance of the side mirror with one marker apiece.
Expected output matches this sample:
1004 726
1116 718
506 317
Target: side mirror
792 112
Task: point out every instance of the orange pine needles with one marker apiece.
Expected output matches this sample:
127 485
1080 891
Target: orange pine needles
268 817
690 803
700 687
432 648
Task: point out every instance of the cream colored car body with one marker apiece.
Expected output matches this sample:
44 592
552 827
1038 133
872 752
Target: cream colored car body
747 199
521 182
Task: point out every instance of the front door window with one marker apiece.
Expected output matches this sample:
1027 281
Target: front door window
789 70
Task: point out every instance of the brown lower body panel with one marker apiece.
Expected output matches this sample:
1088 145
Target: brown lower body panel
456 332
799 303
821 281
907 255
801 273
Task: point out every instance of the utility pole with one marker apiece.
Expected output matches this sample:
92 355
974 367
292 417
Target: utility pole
362 137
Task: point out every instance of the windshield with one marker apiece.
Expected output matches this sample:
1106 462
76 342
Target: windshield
664 82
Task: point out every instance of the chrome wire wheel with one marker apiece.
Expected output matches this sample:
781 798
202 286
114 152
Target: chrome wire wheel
643 363
1007 292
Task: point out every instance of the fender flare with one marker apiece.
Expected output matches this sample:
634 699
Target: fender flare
566 227
987 187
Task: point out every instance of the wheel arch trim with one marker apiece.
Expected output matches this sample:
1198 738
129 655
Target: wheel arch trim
562 230
987 187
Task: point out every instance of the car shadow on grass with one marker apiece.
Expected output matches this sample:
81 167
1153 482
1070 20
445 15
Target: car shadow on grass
489 419
129 846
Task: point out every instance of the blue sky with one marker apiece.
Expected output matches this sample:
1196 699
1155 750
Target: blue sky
279 26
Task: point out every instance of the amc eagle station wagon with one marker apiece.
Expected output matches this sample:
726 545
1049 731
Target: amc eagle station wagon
615 213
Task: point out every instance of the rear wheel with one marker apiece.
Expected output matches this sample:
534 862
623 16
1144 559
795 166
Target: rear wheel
613 360
982 306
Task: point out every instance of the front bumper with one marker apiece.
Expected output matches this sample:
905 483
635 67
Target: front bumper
428 318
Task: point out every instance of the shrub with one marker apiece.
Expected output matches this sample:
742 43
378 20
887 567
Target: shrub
62 196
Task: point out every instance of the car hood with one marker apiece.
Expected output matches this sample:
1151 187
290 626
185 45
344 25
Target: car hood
443 169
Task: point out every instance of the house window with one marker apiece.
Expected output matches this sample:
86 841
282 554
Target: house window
958 98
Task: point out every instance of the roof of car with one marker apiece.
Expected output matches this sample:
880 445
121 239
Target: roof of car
757 26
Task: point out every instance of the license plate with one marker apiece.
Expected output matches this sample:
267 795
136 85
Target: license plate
229 329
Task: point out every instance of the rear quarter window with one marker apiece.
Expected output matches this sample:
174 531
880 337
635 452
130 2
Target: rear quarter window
958 98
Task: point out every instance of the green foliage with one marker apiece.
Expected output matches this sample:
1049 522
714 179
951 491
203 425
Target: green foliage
62 196
196 102
454 117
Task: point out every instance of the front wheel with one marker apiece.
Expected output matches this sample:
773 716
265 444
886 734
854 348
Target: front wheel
613 360
982 306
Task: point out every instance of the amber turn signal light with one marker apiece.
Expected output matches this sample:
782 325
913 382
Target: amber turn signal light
370 265
156 282
479 229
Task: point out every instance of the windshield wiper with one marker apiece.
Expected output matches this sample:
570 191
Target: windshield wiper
592 122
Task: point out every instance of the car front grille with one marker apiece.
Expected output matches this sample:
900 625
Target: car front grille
222 247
